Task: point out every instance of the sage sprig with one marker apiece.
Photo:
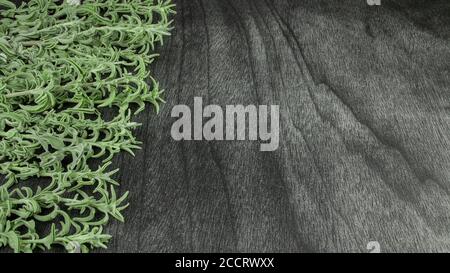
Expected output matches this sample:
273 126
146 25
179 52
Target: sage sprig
61 65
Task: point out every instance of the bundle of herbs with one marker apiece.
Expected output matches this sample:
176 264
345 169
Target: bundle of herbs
61 65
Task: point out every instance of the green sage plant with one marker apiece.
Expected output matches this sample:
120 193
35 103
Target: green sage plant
62 65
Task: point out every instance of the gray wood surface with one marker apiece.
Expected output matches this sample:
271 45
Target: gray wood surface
364 95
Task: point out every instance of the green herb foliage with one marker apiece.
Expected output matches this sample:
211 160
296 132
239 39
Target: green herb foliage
60 66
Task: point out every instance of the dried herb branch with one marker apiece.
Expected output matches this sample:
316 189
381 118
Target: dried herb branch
60 65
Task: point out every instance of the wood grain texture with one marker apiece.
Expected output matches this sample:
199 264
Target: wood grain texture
364 95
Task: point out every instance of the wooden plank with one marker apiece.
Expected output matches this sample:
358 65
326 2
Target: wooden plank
364 95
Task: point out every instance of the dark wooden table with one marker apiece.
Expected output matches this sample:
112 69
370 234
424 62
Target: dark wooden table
364 95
